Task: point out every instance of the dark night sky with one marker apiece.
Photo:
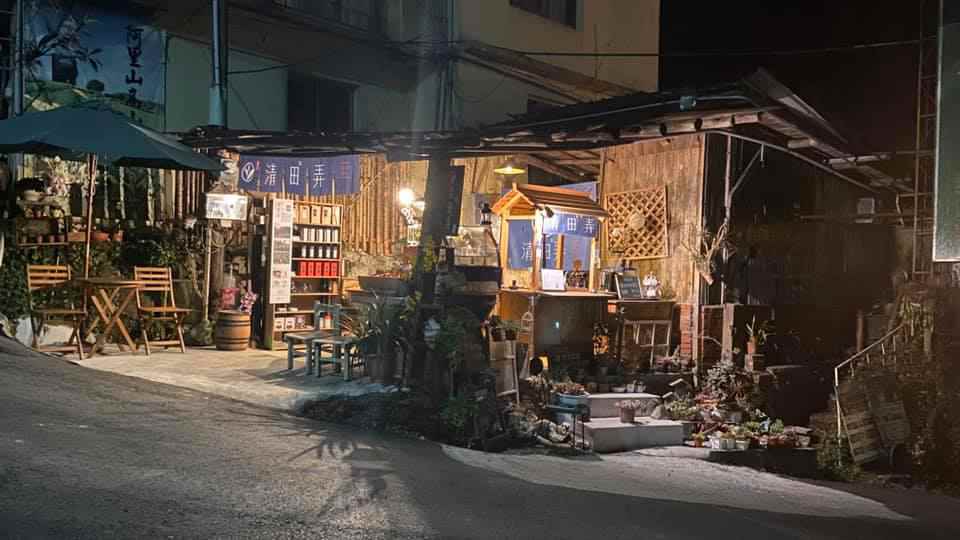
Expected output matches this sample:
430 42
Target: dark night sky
869 95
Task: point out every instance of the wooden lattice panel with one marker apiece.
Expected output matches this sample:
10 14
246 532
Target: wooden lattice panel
637 226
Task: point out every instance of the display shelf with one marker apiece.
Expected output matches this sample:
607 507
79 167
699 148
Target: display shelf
322 224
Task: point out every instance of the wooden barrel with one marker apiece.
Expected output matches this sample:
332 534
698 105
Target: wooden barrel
232 332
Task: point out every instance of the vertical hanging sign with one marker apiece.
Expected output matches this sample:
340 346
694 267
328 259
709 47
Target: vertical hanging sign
451 218
281 249
946 220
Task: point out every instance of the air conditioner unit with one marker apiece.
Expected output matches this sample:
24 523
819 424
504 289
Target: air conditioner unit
866 206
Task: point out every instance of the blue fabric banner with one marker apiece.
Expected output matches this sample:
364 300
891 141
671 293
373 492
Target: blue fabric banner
306 176
520 244
571 225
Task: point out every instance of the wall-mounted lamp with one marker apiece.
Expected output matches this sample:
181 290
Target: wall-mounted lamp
486 214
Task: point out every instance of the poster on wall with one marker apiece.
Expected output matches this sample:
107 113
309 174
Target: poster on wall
281 250
79 53
300 176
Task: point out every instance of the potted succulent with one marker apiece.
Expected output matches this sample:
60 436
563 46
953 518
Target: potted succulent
628 410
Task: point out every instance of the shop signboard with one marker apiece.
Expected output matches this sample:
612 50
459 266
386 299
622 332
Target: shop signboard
281 250
300 176
85 53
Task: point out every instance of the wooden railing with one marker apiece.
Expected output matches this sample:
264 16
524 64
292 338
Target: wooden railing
883 351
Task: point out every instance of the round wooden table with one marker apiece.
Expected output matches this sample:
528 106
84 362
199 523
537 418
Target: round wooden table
109 296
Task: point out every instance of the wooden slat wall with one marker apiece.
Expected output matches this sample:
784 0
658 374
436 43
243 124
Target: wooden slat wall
679 166
372 222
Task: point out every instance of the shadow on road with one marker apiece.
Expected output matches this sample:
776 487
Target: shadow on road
458 500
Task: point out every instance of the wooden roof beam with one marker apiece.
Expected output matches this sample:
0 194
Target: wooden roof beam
562 172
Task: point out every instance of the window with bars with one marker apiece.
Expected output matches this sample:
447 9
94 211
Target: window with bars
561 11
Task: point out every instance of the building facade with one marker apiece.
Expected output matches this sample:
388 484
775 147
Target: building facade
365 65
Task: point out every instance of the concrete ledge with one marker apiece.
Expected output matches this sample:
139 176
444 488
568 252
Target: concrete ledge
800 462
610 435
604 405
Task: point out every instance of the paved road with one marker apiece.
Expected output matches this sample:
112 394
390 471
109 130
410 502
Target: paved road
87 454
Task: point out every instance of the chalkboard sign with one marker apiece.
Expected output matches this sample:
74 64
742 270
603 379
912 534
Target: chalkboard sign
628 285
451 218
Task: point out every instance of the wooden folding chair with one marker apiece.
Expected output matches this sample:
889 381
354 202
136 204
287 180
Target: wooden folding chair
39 277
156 302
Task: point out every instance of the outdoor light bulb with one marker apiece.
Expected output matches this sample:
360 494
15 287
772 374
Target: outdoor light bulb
406 196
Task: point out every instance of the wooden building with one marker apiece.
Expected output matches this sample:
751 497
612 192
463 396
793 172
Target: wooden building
809 221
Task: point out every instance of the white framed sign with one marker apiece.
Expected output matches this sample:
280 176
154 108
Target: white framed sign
231 206
552 280
281 250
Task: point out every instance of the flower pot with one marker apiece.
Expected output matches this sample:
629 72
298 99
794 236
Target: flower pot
117 236
698 443
510 334
728 444
628 416
752 346
100 236
742 444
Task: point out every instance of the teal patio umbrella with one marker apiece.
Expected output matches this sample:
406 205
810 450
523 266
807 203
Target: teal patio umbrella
99 133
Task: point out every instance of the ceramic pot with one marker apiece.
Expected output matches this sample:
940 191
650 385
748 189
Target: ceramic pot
628 416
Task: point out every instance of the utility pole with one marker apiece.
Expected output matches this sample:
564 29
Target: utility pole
219 51
17 90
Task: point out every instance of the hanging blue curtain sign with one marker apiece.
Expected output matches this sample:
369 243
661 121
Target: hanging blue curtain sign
571 224
520 244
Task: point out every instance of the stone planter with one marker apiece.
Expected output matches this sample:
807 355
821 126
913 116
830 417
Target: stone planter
688 428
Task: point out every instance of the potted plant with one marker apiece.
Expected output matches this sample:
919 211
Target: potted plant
496 329
757 334
728 441
628 410
698 439
742 437
570 394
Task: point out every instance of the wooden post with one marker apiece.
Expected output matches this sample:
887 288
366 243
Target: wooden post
726 217
535 250
91 189
861 336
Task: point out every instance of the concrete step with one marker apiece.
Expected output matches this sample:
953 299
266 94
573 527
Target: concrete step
605 405
610 435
